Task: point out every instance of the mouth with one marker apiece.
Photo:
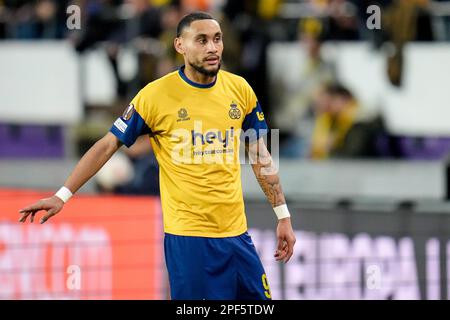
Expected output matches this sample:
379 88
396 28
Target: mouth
213 60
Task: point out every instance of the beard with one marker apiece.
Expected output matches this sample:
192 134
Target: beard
209 73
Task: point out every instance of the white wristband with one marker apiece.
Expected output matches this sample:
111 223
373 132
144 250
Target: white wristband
282 211
64 194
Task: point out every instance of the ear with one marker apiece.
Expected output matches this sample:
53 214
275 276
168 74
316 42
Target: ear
178 44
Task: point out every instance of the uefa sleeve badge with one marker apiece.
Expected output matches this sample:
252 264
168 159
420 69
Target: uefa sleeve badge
128 113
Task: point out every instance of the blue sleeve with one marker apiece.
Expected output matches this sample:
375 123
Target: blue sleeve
129 130
254 125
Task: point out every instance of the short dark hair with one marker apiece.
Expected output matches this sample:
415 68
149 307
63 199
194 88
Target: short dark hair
191 17
339 90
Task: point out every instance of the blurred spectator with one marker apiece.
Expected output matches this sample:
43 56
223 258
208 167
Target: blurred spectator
295 117
339 18
195 5
404 21
248 18
118 171
169 58
146 170
4 12
337 112
144 28
233 47
135 22
342 23
131 171
42 19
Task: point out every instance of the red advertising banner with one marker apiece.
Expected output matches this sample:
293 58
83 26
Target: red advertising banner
97 247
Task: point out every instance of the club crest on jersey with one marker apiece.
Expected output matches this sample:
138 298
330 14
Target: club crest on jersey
183 115
234 112
128 113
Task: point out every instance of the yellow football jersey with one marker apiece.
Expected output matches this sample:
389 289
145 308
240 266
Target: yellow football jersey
195 131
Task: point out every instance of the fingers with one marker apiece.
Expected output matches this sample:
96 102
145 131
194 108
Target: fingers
285 249
290 250
30 210
33 208
24 216
43 204
281 252
49 214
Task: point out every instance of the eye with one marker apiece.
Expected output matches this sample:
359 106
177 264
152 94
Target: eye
202 40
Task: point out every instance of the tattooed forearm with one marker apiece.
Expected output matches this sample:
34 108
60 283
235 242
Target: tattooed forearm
270 184
266 173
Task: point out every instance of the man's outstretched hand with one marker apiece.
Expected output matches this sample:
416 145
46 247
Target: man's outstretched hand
52 205
286 240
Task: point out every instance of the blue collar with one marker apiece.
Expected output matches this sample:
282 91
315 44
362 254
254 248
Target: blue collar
192 83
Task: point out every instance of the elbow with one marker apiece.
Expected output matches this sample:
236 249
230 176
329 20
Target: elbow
109 144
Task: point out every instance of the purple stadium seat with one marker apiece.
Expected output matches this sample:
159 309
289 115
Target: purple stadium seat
425 148
31 141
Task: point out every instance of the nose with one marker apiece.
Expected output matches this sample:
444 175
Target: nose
212 47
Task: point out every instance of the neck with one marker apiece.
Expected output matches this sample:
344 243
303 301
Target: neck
196 76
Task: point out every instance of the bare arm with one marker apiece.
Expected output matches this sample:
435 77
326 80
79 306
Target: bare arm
87 167
267 175
92 161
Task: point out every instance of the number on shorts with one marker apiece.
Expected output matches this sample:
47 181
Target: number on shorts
266 286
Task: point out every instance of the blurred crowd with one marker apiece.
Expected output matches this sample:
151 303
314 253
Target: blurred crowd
318 120
249 26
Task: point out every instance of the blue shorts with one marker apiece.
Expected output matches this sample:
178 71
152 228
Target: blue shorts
214 268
